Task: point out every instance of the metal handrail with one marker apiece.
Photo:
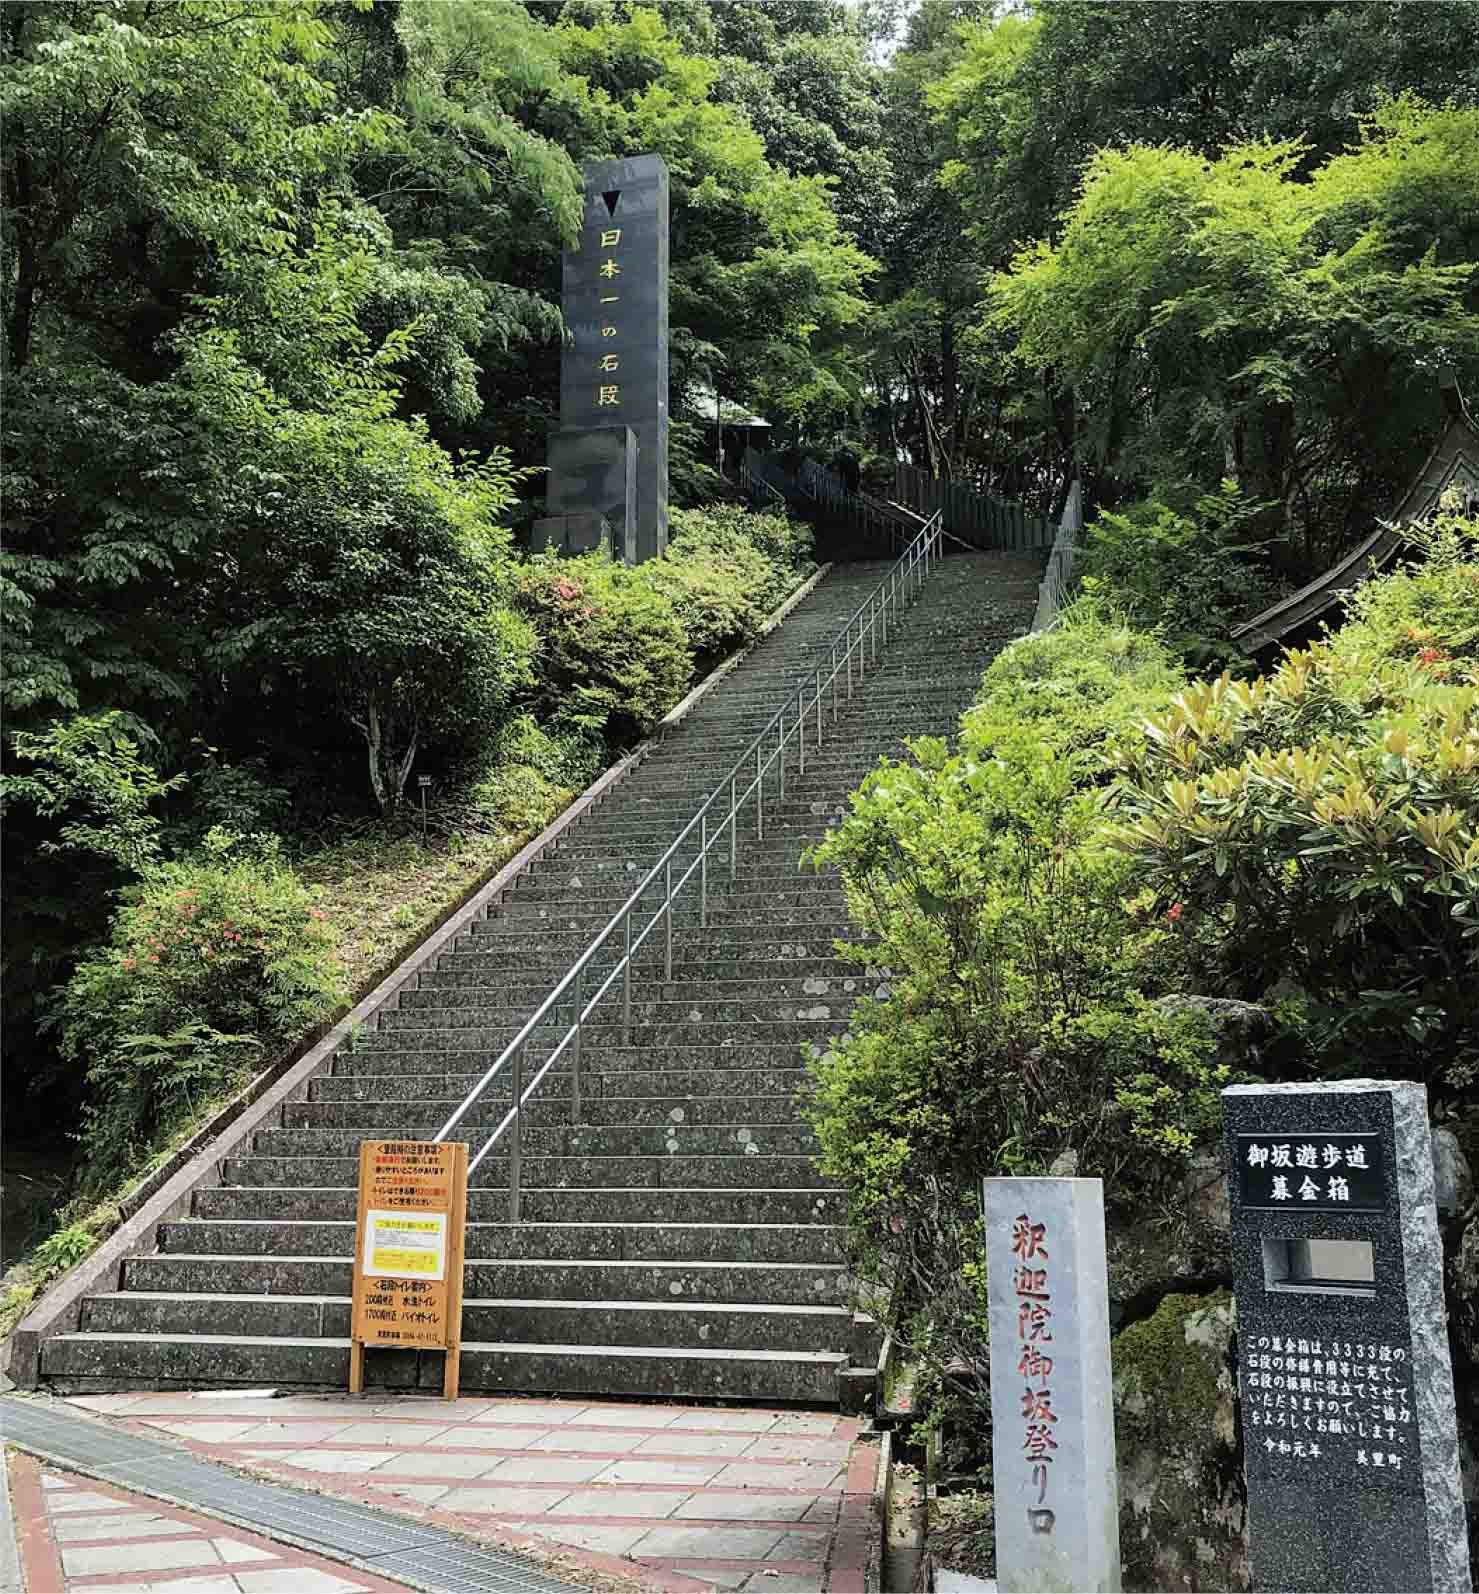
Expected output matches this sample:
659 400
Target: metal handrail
757 485
802 707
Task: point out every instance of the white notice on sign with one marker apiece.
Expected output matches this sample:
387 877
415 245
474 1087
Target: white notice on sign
405 1244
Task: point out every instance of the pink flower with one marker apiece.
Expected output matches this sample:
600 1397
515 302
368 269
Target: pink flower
1175 912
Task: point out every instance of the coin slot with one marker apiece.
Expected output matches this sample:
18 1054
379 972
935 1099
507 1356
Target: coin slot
1319 1266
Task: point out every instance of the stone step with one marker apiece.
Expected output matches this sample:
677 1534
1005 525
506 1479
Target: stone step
562 1279
796 983
591 913
567 1140
79 1362
613 1111
613 1242
736 1326
603 1094
635 1209
492 1039
597 1059
592 1174
496 970
810 818
610 893
787 938
457 1009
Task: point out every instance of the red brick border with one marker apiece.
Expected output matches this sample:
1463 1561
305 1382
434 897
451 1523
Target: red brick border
41 1556
41 1562
857 1526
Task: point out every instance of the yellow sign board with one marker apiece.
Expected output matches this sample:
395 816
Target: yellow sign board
409 1237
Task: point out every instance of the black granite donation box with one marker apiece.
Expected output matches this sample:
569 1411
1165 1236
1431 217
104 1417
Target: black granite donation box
1345 1385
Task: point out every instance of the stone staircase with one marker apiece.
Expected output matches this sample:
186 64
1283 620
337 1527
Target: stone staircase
678 1240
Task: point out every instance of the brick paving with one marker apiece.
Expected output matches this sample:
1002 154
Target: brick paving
688 1498
77 1536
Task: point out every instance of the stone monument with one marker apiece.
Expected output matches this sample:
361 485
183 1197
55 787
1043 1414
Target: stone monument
608 463
1350 1438
1052 1394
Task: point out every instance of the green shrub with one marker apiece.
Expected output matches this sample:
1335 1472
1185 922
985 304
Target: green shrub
1011 1028
529 777
1189 576
1316 831
1082 686
785 544
718 595
1015 1022
216 959
613 657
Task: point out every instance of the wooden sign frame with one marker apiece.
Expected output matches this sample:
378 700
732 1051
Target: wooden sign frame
410 1233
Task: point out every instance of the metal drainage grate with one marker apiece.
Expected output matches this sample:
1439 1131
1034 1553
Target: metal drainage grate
386 1543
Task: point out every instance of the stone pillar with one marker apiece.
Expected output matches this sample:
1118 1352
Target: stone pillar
1349 1430
1052 1392
614 370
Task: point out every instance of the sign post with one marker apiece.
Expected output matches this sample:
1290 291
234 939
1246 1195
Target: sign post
408 1247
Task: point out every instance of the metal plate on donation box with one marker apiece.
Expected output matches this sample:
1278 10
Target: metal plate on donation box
408 1253
1312 1173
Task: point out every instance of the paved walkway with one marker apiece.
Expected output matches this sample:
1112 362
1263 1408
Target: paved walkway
686 1498
78 1536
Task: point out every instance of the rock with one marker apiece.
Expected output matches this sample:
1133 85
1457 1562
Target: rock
1463 1287
1064 1165
1205 1187
1453 1181
1183 1519
1151 1256
1240 1027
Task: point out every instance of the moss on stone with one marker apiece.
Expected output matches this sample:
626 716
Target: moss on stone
1182 1518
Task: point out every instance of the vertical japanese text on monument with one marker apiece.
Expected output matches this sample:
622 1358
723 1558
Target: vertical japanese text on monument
1032 1287
1329 1400
608 365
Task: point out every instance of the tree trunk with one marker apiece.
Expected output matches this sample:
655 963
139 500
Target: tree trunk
949 397
371 731
27 259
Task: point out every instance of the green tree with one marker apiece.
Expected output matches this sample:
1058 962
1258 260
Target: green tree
1226 318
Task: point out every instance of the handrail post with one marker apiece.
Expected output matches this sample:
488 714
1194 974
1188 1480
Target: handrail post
819 705
833 683
759 795
667 961
801 730
626 979
575 1046
780 730
847 638
703 871
733 830
516 1145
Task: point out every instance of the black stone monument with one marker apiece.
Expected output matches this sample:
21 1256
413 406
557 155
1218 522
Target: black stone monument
609 459
1349 1432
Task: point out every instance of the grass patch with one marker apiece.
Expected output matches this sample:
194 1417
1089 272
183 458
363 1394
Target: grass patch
385 892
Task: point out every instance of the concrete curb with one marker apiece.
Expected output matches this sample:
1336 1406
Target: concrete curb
188 1170
883 1484
10 1560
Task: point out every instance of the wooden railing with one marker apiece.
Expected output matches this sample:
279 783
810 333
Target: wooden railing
764 474
976 518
